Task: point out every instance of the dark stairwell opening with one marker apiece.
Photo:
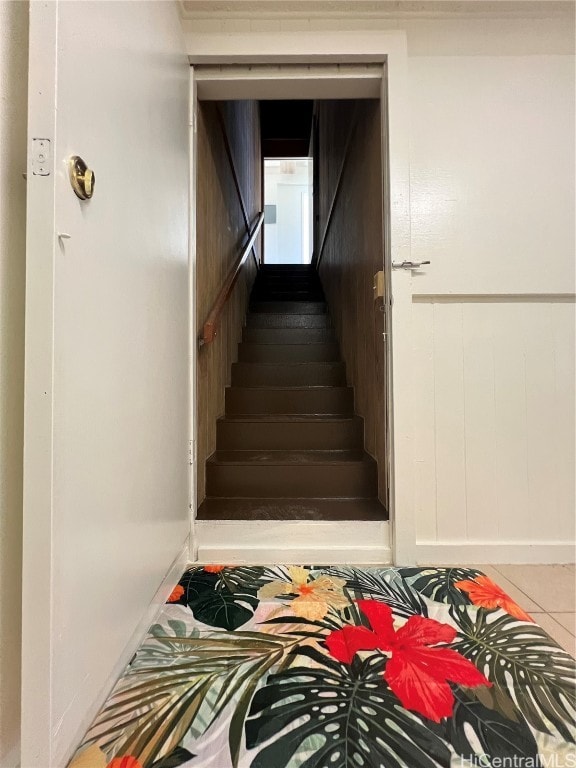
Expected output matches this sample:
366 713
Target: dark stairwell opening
301 431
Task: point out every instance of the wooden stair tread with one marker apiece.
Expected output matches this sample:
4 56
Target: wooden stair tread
330 509
281 458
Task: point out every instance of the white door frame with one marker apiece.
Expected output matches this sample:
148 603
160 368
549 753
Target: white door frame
389 49
193 339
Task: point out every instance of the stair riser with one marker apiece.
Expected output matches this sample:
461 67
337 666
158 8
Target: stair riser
286 285
356 479
311 436
283 321
295 375
288 353
246 400
262 296
291 280
275 281
289 307
289 269
288 336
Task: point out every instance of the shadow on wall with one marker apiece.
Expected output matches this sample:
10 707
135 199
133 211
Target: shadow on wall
13 117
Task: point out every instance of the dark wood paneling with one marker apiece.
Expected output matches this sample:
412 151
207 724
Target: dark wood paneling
353 253
220 235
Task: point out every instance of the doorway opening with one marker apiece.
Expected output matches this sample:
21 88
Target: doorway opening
292 406
288 210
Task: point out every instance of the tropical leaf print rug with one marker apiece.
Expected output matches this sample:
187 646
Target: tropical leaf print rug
339 667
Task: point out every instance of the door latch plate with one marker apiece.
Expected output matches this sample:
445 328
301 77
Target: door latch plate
41 157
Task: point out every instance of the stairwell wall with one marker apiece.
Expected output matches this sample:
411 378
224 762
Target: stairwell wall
353 253
220 235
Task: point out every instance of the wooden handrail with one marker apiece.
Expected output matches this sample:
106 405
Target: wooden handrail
317 257
213 320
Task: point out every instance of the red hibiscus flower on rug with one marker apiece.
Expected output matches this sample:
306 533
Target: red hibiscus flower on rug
417 672
487 594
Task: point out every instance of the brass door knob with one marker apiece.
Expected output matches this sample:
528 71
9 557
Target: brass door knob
81 178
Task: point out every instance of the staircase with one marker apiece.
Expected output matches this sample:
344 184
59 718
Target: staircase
290 446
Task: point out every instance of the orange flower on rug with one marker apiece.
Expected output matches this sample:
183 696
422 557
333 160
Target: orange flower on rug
315 596
486 594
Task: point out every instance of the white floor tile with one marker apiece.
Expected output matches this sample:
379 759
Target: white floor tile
550 586
567 620
556 631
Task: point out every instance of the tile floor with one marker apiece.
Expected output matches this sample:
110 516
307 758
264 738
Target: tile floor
546 592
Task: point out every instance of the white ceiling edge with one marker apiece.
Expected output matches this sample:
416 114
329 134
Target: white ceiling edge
223 83
393 9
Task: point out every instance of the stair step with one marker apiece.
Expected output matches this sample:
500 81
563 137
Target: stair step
291 509
297 282
307 269
323 374
310 474
289 307
289 400
290 432
266 294
315 352
288 335
285 320
284 458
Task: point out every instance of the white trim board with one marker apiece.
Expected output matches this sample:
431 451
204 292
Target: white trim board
286 541
296 81
148 618
472 553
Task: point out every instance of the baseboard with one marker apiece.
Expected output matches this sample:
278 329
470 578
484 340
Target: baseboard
292 541
11 759
473 553
148 618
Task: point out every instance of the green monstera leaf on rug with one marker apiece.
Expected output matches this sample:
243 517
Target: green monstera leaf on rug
182 685
176 758
521 660
340 716
476 731
384 585
438 583
217 598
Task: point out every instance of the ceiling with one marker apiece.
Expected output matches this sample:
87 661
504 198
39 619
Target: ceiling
398 9
285 128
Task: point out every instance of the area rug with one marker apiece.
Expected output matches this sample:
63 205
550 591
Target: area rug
339 667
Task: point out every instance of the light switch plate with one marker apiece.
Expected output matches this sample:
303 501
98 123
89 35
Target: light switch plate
379 285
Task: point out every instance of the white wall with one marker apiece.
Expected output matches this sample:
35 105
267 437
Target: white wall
13 103
106 470
492 206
